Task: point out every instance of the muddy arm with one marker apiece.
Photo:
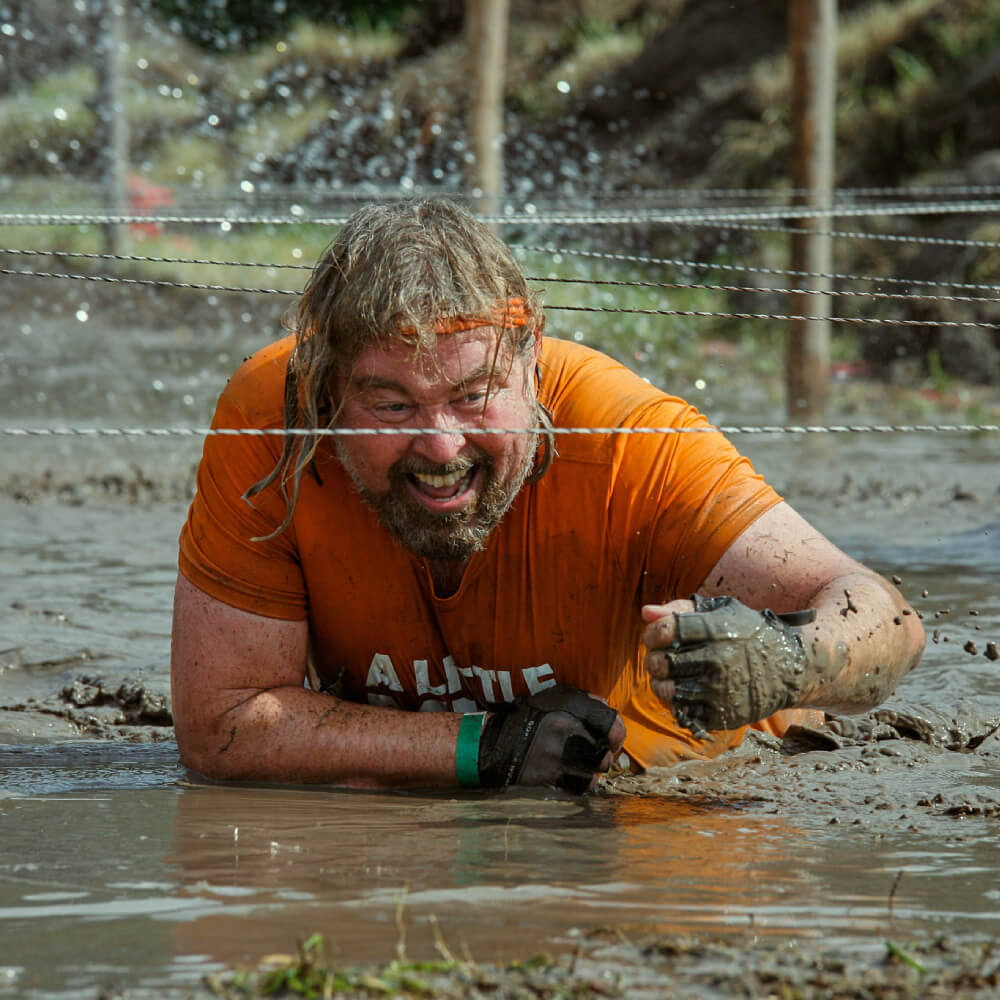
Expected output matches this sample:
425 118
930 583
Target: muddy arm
241 711
864 639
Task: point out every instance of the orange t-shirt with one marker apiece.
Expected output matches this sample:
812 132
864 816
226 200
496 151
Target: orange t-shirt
618 521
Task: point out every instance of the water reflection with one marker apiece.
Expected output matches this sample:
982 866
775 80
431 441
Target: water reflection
112 872
287 862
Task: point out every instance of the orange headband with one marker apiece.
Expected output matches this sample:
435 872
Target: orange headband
509 314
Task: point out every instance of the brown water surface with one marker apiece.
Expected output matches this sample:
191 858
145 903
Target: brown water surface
113 872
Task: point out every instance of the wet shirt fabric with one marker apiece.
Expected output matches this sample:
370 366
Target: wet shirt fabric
618 521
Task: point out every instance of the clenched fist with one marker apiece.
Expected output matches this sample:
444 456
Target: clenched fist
723 665
561 736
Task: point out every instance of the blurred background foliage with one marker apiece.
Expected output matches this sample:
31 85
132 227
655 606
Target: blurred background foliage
264 106
225 26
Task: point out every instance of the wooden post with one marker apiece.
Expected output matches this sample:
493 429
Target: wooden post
486 35
813 55
112 123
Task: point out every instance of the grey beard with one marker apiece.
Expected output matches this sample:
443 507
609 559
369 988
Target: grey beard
448 537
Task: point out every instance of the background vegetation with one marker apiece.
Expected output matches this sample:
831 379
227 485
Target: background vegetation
278 105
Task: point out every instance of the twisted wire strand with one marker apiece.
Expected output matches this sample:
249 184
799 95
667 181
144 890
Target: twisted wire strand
910 191
320 191
790 195
141 258
829 292
838 196
129 432
622 310
729 217
943 241
784 317
747 269
696 286
150 282
566 252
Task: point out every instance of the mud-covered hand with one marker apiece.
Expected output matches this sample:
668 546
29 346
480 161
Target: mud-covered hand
724 665
560 736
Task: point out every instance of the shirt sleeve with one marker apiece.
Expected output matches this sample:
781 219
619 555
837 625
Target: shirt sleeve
223 546
677 501
704 497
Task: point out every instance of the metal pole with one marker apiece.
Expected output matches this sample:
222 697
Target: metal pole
486 34
112 123
813 55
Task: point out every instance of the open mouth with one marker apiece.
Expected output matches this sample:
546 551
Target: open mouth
443 490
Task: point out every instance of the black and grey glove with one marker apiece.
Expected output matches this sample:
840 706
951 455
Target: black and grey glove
732 665
559 736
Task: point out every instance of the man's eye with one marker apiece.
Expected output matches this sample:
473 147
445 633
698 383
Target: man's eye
473 398
390 410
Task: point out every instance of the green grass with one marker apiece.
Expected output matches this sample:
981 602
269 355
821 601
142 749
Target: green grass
55 89
172 89
309 974
596 51
42 126
315 47
607 962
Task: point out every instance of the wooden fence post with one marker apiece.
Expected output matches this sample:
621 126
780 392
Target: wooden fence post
112 127
813 55
486 34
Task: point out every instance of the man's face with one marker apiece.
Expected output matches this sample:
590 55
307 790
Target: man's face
440 494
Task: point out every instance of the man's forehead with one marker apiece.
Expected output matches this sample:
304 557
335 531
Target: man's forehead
452 358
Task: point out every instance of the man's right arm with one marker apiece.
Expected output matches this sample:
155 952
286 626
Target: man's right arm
242 713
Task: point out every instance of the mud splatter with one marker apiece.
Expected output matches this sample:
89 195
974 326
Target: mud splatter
127 709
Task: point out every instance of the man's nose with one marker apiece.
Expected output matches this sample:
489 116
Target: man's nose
447 441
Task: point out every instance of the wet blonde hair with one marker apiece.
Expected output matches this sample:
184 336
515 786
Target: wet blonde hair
408 272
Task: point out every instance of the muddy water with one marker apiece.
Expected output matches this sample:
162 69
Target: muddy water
112 873
116 869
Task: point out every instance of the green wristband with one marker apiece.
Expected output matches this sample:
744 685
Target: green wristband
467 750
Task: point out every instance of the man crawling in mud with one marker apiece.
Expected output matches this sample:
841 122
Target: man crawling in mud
447 593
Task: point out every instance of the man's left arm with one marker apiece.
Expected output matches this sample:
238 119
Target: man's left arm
720 664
